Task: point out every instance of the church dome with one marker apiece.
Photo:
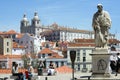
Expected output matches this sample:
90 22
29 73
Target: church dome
24 18
35 16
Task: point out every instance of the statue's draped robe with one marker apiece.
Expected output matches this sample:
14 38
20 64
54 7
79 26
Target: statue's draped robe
101 23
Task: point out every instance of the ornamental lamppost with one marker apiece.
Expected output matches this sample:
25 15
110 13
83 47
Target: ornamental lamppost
72 57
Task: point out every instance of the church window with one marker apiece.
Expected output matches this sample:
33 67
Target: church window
21 42
22 24
37 22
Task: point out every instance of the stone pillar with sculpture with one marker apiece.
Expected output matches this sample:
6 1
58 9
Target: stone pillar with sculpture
101 24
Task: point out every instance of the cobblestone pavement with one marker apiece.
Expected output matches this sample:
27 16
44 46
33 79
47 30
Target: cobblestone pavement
60 76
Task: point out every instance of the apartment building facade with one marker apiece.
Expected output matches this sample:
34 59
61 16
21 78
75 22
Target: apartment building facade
5 45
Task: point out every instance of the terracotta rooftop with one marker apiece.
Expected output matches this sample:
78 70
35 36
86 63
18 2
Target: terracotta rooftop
92 41
46 51
8 32
55 55
64 69
16 45
114 41
11 32
84 40
63 28
81 45
9 56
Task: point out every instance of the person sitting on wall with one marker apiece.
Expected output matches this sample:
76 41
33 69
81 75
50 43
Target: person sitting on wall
113 62
51 70
16 73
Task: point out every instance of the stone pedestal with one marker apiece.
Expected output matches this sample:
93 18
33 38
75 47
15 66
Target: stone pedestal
100 63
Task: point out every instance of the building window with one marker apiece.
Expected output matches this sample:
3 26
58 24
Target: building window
78 54
26 41
39 55
21 42
56 64
31 47
7 43
17 41
49 54
62 63
84 55
38 29
84 59
43 55
37 22
78 58
40 47
7 49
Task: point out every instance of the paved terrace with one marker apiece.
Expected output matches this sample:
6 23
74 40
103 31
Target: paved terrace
63 73
65 76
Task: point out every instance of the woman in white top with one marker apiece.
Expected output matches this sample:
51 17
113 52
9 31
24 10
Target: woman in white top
16 73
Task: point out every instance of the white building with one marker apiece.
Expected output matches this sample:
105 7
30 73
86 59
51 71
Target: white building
83 50
18 49
31 43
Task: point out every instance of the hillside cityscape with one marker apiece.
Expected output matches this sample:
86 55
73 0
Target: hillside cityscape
36 42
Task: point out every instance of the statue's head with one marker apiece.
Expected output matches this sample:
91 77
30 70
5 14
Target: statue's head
100 7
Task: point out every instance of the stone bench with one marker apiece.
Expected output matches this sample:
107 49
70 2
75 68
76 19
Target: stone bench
1 78
13 77
86 77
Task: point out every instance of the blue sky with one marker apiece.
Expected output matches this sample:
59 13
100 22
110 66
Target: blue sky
70 13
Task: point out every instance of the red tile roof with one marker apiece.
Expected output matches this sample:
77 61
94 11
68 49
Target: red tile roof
16 45
55 55
81 45
46 51
11 32
64 69
114 41
84 40
10 56
63 28
8 32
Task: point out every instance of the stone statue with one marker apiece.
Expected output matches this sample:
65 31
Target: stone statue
101 24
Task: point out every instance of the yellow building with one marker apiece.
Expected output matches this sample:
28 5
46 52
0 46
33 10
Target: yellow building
5 45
